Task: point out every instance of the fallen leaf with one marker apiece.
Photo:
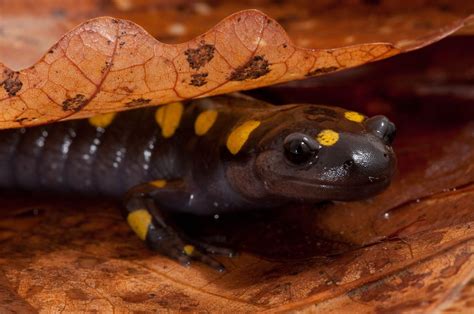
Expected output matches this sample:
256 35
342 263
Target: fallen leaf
108 64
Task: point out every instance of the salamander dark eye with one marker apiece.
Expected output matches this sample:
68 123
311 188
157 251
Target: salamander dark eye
300 148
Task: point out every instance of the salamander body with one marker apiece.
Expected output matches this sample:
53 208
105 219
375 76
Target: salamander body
209 156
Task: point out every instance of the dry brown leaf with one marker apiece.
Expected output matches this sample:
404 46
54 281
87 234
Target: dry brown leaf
31 27
108 64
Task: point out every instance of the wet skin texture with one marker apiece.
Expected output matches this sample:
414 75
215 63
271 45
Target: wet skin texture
215 155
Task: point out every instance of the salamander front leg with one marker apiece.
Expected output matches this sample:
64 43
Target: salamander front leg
145 215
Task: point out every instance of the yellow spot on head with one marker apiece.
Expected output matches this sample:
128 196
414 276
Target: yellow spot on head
188 249
204 121
168 118
139 220
327 137
239 135
102 120
354 116
158 183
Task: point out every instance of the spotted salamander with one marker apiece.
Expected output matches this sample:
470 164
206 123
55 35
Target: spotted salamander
206 157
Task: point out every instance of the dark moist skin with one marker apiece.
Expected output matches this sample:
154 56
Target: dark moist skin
210 156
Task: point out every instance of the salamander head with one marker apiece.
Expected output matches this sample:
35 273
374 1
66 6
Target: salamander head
312 153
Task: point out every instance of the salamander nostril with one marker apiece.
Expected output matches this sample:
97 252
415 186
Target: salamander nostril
381 127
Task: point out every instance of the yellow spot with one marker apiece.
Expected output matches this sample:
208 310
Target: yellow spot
158 183
102 120
239 135
327 137
205 121
354 116
139 220
168 117
188 249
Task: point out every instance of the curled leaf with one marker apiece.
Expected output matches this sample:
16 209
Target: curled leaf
30 28
109 64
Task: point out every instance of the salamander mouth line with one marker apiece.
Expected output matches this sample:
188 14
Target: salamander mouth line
377 181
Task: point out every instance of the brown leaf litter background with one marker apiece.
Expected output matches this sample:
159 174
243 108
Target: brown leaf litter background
109 64
408 249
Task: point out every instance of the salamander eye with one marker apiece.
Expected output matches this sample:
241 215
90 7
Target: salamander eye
300 148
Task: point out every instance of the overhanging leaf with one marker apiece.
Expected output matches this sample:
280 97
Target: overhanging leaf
108 64
30 28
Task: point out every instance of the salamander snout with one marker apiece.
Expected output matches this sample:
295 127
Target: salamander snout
359 165
382 127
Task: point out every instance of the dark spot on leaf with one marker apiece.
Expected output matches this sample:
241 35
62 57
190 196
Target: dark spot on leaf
285 45
11 82
107 66
198 79
24 119
137 102
53 48
75 103
125 89
253 69
321 71
200 56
